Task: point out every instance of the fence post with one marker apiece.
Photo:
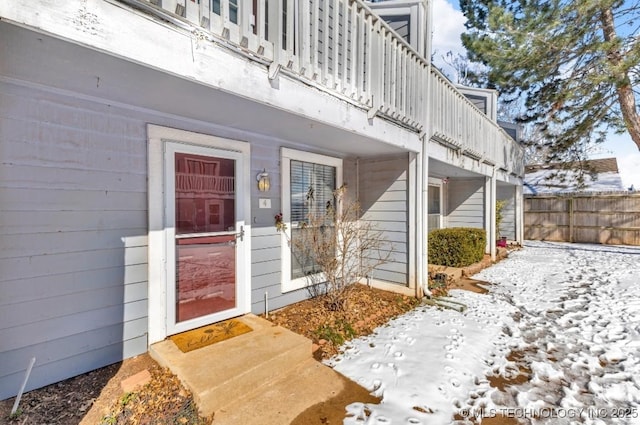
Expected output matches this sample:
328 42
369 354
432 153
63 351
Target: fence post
571 218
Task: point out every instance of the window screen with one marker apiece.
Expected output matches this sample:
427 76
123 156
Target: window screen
312 187
434 199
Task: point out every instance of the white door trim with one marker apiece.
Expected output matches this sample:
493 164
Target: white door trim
158 137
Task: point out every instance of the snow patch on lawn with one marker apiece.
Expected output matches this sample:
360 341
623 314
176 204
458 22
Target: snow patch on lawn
570 312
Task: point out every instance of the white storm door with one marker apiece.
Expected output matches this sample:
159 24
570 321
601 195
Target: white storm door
205 236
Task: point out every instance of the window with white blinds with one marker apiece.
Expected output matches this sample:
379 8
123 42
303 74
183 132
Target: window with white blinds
308 183
312 187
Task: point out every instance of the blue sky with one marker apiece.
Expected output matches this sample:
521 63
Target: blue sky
449 24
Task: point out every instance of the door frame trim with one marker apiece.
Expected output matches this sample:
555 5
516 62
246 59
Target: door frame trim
157 136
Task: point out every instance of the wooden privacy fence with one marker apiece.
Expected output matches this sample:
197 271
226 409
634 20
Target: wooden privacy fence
606 218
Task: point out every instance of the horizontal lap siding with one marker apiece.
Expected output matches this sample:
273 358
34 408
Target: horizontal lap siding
73 221
384 200
508 224
266 265
73 251
465 203
265 241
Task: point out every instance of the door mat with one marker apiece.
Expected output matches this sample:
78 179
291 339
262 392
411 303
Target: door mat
207 335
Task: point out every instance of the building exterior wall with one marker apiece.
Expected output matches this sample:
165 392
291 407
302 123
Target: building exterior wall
74 222
508 225
74 245
74 219
383 193
465 203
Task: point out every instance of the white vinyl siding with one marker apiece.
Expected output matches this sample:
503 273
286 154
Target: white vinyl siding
73 250
465 203
508 224
384 201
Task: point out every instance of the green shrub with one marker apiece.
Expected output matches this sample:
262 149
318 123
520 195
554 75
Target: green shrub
457 246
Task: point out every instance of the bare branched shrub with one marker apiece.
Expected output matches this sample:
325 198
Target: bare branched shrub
335 249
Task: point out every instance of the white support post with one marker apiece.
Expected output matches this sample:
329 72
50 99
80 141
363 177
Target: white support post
492 213
425 115
422 227
414 210
519 214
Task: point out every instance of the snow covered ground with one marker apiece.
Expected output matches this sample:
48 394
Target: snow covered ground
566 315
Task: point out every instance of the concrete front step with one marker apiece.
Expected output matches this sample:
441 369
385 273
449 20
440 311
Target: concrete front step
282 400
227 371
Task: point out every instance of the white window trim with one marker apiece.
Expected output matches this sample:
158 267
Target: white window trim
440 184
286 156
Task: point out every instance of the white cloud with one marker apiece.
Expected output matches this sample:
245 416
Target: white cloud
448 24
622 147
630 170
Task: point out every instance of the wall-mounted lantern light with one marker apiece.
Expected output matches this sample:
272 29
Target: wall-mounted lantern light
263 181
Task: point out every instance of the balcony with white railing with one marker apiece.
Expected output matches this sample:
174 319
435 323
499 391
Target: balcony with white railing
456 121
345 49
338 45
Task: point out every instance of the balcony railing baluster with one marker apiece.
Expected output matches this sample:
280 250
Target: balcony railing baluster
343 46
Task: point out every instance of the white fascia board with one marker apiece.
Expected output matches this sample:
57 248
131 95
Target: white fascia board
457 159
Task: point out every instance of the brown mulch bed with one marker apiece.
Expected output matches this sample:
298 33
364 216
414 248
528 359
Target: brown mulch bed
97 397
367 309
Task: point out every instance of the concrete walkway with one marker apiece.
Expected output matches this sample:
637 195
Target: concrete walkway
268 373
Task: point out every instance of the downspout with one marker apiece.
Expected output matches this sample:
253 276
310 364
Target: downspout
423 185
419 276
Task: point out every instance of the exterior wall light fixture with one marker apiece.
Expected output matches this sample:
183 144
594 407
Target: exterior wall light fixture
263 181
